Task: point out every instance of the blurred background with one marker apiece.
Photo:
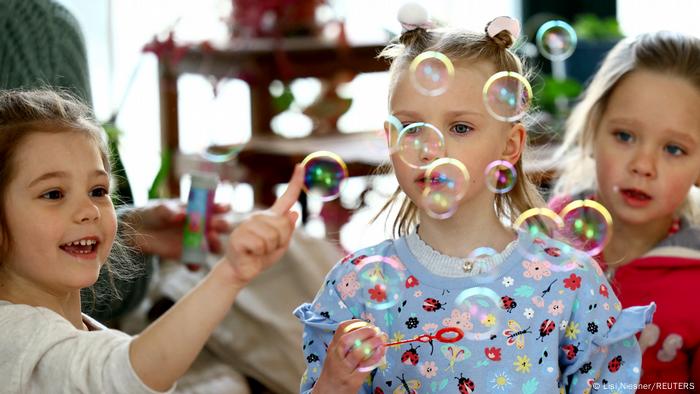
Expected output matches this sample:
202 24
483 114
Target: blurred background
180 76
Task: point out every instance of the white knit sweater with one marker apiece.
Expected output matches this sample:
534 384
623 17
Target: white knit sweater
41 352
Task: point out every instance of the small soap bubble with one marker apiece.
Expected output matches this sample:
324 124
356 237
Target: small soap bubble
482 252
500 176
324 174
419 144
431 73
507 96
481 311
556 40
380 280
393 128
446 182
587 225
538 226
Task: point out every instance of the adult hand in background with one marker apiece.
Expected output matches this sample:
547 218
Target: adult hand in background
158 227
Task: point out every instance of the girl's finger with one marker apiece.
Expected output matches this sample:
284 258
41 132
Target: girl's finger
285 202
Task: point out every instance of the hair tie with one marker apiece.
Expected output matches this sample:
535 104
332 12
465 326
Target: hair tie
503 23
413 16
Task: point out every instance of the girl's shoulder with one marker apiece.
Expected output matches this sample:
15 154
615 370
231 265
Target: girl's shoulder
557 202
27 327
687 236
22 314
383 251
384 248
541 256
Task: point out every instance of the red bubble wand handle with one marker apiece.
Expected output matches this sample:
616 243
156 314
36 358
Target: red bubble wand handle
444 335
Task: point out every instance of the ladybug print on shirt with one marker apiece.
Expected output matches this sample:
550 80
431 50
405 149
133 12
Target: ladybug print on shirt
432 305
546 328
465 385
507 334
410 356
508 303
615 364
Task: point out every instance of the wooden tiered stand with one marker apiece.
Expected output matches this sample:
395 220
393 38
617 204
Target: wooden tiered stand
267 159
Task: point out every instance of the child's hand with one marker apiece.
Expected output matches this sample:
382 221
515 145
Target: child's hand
260 240
350 357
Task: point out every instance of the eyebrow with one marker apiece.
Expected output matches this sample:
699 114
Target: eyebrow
62 174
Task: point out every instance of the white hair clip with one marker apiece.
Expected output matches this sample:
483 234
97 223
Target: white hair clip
413 16
503 23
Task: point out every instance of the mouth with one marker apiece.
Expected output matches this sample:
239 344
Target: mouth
82 248
635 197
433 181
635 194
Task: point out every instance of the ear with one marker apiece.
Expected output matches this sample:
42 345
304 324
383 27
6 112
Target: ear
515 144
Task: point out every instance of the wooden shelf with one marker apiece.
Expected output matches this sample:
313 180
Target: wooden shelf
258 62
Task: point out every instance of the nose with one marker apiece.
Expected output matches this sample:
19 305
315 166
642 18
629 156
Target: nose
87 211
429 152
643 164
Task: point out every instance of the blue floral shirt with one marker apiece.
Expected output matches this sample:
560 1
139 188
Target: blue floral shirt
545 320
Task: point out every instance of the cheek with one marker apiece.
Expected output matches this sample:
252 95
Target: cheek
405 175
401 170
110 226
607 162
677 187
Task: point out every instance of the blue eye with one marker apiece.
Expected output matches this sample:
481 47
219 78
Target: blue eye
52 195
412 130
461 128
99 192
623 136
674 150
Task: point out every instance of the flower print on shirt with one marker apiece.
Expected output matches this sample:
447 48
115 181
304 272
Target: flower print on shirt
547 296
573 282
536 269
428 369
411 281
489 320
493 353
556 308
537 301
523 364
508 281
377 293
572 330
348 285
501 381
459 319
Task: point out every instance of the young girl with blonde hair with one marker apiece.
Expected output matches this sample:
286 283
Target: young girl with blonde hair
633 144
455 319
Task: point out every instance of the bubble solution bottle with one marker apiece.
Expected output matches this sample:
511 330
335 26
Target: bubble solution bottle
199 208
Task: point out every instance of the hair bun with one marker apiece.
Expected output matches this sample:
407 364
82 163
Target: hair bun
413 16
503 30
